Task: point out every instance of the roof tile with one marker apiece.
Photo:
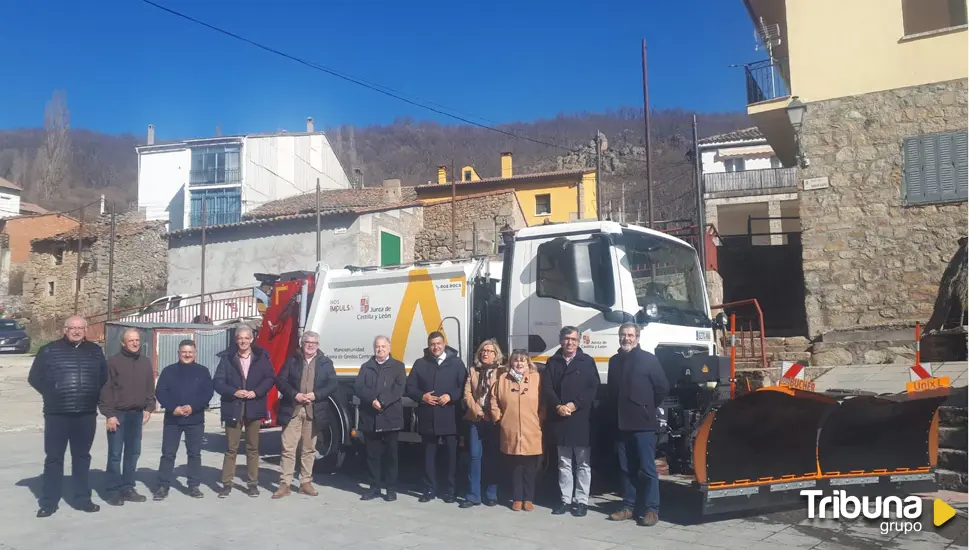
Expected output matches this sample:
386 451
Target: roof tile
744 134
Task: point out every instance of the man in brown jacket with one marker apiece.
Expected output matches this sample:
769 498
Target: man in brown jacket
127 401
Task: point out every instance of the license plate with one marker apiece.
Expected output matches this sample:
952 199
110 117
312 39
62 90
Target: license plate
7 348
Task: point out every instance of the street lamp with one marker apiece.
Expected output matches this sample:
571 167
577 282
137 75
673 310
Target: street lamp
796 112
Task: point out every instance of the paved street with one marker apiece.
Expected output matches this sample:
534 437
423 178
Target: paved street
337 519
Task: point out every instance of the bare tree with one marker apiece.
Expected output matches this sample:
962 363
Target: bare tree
20 168
56 150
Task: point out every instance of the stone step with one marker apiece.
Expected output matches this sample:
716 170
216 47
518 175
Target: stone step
953 438
950 459
952 481
794 356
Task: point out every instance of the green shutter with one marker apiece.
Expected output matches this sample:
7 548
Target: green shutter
390 249
935 168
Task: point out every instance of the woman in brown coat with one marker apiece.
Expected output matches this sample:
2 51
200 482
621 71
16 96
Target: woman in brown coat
482 432
517 408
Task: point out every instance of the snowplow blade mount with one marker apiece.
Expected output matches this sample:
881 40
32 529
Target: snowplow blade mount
881 434
762 436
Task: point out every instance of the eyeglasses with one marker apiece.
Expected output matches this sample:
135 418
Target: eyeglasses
75 328
308 343
488 350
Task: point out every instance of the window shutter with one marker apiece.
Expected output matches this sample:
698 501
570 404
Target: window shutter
960 163
912 171
929 151
947 172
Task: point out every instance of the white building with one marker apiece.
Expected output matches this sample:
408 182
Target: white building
9 199
232 175
747 191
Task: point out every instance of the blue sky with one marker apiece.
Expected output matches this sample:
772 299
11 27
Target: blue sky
125 64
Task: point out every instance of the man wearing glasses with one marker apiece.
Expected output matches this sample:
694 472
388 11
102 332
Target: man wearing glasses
306 381
69 374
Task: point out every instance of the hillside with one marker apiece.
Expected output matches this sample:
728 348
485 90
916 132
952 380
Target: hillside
410 150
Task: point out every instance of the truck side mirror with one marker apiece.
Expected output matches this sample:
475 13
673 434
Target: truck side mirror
720 321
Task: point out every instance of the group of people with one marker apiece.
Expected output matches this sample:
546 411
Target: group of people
508 409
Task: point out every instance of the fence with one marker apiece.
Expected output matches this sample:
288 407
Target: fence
217 307
769 179
767 79
750 332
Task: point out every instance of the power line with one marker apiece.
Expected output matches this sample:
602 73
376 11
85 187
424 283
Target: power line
375 87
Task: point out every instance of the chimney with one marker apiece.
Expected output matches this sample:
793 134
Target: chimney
309 124
151 134
392 190
442 174
506 165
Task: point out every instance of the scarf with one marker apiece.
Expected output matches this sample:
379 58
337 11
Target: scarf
484 383
516 375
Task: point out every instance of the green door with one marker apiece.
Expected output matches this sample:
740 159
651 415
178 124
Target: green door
390 249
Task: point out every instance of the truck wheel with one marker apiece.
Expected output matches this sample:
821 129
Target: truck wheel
330 453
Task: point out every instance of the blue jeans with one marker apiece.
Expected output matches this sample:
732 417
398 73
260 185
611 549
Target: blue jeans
483 447
171 439
641 486
124 443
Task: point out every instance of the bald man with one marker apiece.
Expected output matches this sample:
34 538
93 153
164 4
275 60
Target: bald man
69 374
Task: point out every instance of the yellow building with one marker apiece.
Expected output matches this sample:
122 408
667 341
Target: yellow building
559 196
868 100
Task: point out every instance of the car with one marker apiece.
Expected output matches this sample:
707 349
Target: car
13 337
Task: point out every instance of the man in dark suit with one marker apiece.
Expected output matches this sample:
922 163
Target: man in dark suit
636 386
436 383
569 387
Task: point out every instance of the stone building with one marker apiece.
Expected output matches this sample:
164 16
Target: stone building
360 227
877 128
139 273
479 220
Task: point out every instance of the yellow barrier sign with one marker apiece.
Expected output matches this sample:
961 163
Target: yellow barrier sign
797 384
927 384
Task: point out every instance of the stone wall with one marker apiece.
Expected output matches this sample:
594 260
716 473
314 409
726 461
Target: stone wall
140 269
868 259
404 222
476 216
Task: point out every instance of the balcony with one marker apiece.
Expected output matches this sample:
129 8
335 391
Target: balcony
751 182
201 178
767 79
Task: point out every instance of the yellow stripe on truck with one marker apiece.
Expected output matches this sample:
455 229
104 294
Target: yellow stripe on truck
420 292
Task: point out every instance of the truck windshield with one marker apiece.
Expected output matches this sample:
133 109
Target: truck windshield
666 274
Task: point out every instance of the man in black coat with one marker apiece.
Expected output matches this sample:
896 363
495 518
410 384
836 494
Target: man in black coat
380 387
306 382
436 383
636 386
243 378
569 387
69 374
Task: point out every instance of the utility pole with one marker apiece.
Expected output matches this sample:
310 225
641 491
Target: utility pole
623 202
701 216
646 129
454 190
77 275
319 246
111 264
202 289
599 190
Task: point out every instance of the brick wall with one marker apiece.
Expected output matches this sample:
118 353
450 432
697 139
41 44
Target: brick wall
868 259
475 216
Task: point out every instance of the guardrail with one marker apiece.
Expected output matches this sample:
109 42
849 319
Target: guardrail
767 79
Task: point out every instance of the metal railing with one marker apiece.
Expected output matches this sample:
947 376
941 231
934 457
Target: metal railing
767 79
217 307
750 322
768 179
214 176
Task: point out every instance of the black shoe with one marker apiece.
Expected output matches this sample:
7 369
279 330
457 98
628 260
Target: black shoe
467 504
580 510
194 492
132 495
427 497
114 499
371 494
450 499
89 507
46 512
160 494
390 496
490 502
563 508
253 491
226 489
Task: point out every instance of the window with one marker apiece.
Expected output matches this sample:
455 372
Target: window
565 270
935 168
467 175
221 206
543 205
58 255
776 163
215 165
734 165
922 16
50 288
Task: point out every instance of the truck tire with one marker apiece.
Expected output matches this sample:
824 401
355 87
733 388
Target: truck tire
331 451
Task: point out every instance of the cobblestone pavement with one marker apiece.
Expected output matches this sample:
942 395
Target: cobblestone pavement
338 519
